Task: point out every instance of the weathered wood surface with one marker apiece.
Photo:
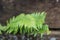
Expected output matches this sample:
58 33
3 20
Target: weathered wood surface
54 34
13 7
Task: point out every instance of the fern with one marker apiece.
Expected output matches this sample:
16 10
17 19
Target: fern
28 24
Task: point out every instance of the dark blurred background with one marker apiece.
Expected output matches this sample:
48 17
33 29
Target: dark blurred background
10 8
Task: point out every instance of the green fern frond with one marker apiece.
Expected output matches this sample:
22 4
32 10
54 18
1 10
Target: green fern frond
1 28
28 23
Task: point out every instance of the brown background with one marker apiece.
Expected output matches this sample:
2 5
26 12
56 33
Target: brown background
9 8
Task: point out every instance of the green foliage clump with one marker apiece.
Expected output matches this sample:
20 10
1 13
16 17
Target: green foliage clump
1 28
28 24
